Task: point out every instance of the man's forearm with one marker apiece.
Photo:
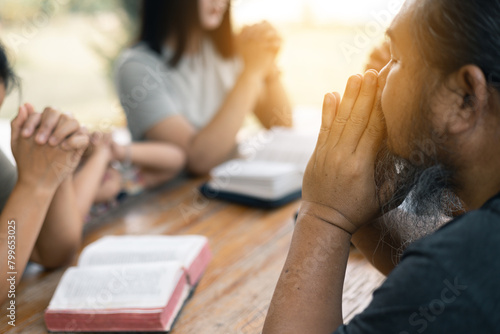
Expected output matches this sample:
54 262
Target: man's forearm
308 297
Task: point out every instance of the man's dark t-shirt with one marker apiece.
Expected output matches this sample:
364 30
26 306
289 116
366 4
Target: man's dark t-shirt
448 282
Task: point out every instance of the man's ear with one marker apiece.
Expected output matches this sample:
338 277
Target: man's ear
471 84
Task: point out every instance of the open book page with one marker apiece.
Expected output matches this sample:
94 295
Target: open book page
147 286
142 249
280 145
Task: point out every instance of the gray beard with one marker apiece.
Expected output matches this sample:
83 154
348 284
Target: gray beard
422 194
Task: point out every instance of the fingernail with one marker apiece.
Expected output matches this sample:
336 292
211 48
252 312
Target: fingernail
328 99
53 141
372 76
355 81
41 138
26 132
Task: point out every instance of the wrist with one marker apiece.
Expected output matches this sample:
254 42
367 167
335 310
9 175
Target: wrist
104 153
121 152
125 156
254 80
328 215
37 188
273 76
253 74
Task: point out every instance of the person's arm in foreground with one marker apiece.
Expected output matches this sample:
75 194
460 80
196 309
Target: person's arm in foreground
214 143
38 180
61 232
339 197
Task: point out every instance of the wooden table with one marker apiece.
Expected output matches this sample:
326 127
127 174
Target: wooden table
249 249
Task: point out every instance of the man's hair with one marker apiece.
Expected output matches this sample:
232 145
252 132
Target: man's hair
453 33
163 19
7 75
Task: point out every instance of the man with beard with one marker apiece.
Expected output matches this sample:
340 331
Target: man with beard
435 106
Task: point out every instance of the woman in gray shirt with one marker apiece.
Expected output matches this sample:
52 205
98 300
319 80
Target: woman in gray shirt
189 82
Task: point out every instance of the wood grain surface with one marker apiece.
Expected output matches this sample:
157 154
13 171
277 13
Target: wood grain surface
249 249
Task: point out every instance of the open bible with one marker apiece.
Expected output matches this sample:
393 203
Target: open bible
128 284
270 172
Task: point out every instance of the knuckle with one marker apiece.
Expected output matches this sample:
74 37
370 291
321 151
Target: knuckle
75 123
49 111
375 131
337 159
45 126
340 120
357 120
369 91
356 168
34 118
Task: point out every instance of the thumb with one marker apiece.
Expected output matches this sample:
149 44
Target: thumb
18 122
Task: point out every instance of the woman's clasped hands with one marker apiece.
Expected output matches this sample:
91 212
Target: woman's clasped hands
47 146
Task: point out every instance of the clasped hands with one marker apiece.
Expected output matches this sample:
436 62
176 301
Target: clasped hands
259 44
47 146
339 182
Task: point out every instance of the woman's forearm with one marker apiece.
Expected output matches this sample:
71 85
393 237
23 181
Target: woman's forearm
20 224
214 143
159 156
88 179
308 296
274 108
61 233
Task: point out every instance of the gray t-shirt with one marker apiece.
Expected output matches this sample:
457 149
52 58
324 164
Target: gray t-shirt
150 90
8 179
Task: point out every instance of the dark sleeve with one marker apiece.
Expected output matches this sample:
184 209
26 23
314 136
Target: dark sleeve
419 296
8 179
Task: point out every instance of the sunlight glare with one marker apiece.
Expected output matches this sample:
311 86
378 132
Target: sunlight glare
318 11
